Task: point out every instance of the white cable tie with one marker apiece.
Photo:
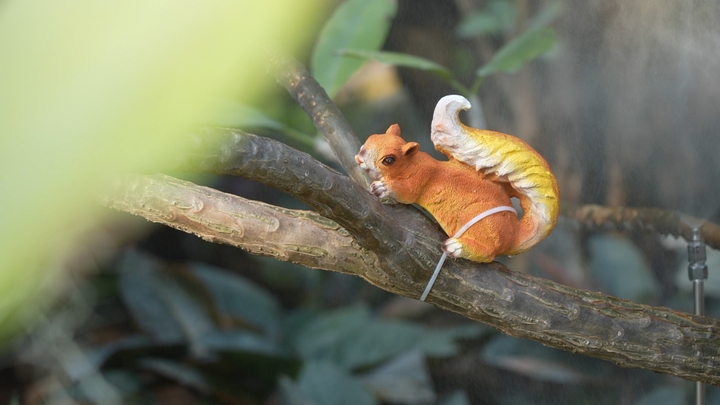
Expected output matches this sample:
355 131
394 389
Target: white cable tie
457 235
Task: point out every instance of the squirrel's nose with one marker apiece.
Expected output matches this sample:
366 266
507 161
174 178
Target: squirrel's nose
359 157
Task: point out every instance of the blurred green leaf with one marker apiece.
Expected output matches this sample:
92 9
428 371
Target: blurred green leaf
236 115
403 380
247 373
236 296
181 373
291 394
518 52
497 17
160 305
620 269
319 335
355 24
547 14
92 88
103 353
442 342
351 338
374 342
457 398
124 381
664 396
326 384
401 59
238 340
139 284
542 363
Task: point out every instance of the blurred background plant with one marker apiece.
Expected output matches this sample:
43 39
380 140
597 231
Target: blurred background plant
98 307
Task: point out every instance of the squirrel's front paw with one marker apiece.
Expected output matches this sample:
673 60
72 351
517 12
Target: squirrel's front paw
453 248
380 190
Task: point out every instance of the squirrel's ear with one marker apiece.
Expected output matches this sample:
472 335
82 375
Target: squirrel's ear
393 130
410 149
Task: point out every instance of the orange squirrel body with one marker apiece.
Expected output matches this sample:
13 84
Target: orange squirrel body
456 191
451 191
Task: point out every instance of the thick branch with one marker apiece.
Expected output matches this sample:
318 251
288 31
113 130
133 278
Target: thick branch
626 333
396 247
233 152
322 111
596 217
301 237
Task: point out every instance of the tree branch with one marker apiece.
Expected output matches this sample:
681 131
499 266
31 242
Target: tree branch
301 237
519 305
596 217
322 111
396 247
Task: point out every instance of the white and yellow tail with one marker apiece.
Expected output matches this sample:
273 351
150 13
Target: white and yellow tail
504 158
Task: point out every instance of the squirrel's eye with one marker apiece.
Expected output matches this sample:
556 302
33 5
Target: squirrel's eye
388 161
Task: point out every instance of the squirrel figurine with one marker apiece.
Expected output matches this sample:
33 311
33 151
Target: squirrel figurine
485 170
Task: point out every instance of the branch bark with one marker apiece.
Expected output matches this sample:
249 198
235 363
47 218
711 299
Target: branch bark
395 247
301 237
596 217
400 259
322 111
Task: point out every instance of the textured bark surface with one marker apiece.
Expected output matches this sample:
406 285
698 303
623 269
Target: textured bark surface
322 111
596 217
395 247
398 257
302 237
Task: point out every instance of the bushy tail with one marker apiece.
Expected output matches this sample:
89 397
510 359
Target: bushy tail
504 158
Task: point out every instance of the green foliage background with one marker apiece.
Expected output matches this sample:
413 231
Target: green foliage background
89 89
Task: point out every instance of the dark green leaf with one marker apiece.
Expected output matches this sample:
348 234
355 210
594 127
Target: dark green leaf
188 311
356 24
673 395
457 398
547 14
497 17
403 380
139 288
181 373
102 353
124 381
291 394
320 336
326 384
236 296
350 338
518 52
401 59
620 269
375 342
244 373
160 305
441 342
542 363
238 340
379 340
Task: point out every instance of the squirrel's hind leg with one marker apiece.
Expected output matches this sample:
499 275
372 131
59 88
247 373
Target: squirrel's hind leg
471 249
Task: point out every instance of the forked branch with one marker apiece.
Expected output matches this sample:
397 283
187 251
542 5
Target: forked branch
395 247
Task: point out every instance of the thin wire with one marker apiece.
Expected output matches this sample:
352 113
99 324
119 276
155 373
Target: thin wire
457 235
